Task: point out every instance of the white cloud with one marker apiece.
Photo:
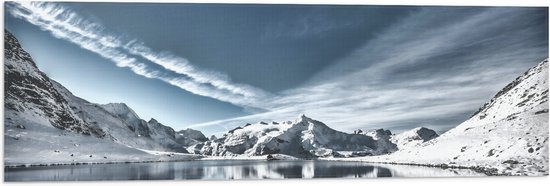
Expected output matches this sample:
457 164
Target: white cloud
67 25
433 68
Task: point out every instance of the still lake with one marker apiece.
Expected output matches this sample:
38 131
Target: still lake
226 169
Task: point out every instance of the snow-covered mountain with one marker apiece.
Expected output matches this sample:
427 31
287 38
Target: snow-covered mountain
305 138
43 118
413 137
30 95
190 137
148 130
121 110
508 135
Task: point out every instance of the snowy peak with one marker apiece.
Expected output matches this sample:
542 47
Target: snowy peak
158 129
193 134
153 121
30 92
302 118
121 110
13 50
189 137
125 113
305 138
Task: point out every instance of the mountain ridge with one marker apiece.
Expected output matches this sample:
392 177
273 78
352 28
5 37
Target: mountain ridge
507 136
304 138
32 99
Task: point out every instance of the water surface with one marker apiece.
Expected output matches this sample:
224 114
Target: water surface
226 169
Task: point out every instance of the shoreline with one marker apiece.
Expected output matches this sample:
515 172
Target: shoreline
199 158
479 169
484 170
93 163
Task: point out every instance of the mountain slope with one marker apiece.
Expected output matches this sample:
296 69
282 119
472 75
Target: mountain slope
305 138
45 123
118 129
30 96
508 135
125 113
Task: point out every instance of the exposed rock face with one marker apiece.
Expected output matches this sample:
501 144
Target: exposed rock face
190 137
30 92
379 134
305 138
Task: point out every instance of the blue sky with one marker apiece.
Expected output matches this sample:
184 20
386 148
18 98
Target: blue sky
213 67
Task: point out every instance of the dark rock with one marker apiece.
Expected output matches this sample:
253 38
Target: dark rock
491 152
510 162
213 137
542 111
231 131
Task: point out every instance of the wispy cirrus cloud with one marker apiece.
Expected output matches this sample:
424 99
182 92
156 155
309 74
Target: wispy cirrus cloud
68 25
433 68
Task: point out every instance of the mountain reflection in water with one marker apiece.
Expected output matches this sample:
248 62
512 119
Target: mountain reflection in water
226 169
